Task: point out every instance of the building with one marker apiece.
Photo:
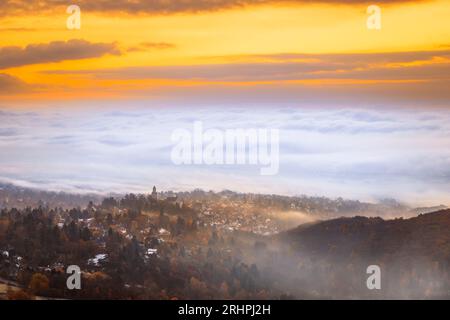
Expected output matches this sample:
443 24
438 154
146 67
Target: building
154 193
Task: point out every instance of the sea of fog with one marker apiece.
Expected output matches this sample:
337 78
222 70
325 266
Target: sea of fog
364 154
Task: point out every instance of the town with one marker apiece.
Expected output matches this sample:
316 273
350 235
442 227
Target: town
163 245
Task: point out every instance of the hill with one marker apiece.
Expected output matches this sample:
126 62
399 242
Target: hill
413 254
426 235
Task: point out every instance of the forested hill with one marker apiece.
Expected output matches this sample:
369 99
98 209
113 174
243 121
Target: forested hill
426 236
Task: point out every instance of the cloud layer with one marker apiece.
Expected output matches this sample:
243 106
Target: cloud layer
284 67
11 85
401 77
161 6
55 51
352 152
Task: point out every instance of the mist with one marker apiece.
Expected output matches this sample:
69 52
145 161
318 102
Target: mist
357 153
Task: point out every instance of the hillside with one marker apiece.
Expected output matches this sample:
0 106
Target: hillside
413 256
426 235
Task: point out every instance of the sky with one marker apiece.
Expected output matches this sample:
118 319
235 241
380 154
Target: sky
363 113
165 50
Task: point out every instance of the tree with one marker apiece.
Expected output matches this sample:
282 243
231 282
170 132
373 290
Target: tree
109 203
214 238
39 283
18 295
109 219
86 234
198 289
224 291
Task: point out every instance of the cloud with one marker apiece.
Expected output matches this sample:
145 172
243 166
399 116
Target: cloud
11 85
163 6
408 78
55 51
145 46
285 67
7 132
19 29
400 77
352 152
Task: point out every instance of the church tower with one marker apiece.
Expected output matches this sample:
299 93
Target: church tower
154 193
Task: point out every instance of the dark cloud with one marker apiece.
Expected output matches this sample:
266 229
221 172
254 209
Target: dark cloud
11 85
53 52
161 6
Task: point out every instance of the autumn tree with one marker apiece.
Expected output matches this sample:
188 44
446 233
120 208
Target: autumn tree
39 284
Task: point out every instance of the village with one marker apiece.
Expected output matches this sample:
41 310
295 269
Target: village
159 245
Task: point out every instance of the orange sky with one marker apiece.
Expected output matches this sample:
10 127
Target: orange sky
270 46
